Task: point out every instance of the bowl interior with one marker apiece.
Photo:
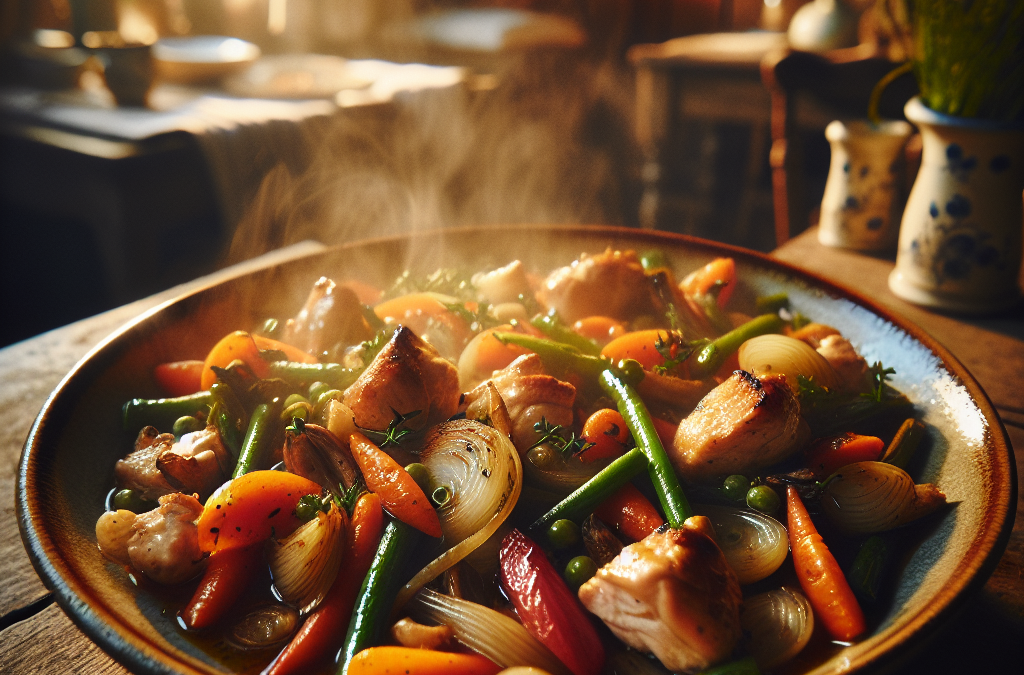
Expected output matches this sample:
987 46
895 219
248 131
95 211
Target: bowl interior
67 465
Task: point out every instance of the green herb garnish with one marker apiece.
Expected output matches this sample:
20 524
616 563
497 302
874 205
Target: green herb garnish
551 434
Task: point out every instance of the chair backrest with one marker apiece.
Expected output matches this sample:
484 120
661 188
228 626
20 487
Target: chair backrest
808 91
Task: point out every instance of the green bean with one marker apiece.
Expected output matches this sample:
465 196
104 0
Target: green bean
564 358
372 610
557 331
229 428
335 375
257 448
711 357
865 575
673 502
772 303
162 412
588 496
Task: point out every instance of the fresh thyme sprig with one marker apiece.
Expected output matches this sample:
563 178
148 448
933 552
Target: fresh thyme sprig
395 432
675 350
879 374
551 434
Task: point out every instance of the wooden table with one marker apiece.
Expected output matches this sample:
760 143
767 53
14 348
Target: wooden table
36 636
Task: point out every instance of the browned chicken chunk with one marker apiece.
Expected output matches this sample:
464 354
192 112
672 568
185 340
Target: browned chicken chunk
743 425
332 314
612 284
407 375
671 594
851 368
164 544
530 395
159 465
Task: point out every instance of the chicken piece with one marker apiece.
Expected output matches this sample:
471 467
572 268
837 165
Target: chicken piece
408 374
814 333
672 393
332 314
612 284
408 633
530 395
671 594
165 541
138 471
113 530
504 284
743 425
197 463
851 368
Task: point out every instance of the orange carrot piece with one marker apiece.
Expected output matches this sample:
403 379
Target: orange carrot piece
630 513
179 378
423 311
412 661
400 494
719 272
489 354
826 455
228 574
608 432
600 329
638 345
252 508
322 634
820 576
242 345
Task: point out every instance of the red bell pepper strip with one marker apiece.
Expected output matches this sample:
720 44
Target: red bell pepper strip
323 632
179 378
228 573
548 609
630 513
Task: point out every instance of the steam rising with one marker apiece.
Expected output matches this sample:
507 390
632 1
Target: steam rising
546 144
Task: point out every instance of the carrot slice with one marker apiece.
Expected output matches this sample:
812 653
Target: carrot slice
397 490
242 345
600 329
411 661
608 432
720 272
826 455
638 345
820 576
179 378
629 512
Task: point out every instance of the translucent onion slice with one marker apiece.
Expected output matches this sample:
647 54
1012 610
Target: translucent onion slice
500 638
787 356
481 470
869 497
304 564
779 624
755 545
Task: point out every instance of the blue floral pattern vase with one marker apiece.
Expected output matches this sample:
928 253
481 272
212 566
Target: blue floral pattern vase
962 231
864 193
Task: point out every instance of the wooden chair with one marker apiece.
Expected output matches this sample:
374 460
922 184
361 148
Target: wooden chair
807 92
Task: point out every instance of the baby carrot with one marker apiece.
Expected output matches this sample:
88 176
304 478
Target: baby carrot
228 573
826 455
608 432
401 496
820 576
630 513
411 661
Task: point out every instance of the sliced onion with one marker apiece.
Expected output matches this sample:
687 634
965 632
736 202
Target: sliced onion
779 624
782 355
304 564
500 638
264 627
869 497
481 470
755 545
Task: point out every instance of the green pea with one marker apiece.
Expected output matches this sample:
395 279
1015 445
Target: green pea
631 371
186 425
327 395
419 474
653 260
735 487
130 500
764 499
316 389
293 399
541 457
579 570
564 533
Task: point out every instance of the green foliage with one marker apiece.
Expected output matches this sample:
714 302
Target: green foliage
551 434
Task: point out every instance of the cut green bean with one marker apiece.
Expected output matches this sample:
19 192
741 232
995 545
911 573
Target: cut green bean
868 568
335 375
772 303
670 493
711 357
162 412
557 331
562 358
588 496
256 448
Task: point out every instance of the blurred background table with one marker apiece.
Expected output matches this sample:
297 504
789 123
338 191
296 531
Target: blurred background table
37 637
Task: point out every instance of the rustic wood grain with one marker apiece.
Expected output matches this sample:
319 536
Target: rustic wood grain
49 643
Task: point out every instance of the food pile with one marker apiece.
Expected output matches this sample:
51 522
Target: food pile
602 468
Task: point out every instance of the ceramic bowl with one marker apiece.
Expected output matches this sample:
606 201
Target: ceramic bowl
67 465
202 58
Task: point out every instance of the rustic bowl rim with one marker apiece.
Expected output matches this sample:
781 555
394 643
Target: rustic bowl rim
132 650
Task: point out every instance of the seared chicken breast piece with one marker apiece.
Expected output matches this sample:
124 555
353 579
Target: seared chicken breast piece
851 368
612 284
671 594
197 463
407 375
164 544
332 314
741 426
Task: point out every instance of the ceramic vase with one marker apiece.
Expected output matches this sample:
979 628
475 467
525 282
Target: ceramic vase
863 198
961 235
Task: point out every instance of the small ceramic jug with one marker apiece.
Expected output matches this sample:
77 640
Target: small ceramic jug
863 198
961 237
